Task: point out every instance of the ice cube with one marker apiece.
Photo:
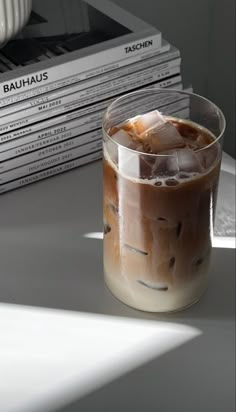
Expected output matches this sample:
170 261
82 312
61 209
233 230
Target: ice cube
135 146
113 130
196 144
128 163
139 148
111 148
188 131
128 127
140 124
201 140
188 161
191 144
208 156
165 137
122 138
148 121
204 139
111 151
165 166
146 167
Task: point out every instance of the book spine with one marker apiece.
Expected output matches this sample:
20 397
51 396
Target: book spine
53 122
84 140
82 95
131 82
64 167
56 121
50 161
75 129
57 145
52 149
175 107
68 130
182 114
97 80
73 71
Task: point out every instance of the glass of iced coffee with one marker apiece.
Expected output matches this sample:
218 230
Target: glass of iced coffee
162 155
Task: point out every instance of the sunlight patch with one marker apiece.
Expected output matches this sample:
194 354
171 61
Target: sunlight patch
50 358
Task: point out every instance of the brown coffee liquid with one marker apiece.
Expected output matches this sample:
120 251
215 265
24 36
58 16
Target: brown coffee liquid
158 221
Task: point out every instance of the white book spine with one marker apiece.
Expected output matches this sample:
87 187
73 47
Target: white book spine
53 122
130 82
54 106
182 114
78 141
53 149
57 121
73 71
64 131
64 167
50 161
68 130
60 146
137 65
73 136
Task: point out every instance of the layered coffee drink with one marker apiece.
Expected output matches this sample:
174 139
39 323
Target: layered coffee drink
160 184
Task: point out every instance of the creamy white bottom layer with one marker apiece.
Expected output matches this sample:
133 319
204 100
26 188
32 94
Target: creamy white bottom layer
143 298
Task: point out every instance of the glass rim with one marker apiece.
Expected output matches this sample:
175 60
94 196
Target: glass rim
163 90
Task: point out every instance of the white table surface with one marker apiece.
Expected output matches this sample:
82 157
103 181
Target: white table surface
66 344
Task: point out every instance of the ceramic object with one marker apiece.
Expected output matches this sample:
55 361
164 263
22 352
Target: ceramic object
14 15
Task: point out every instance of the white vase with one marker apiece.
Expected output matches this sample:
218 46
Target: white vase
14 15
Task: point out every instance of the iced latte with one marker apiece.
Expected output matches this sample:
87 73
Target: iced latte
160 185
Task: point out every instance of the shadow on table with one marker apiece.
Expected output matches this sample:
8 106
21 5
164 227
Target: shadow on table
75 196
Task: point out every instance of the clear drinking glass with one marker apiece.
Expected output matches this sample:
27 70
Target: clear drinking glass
159 207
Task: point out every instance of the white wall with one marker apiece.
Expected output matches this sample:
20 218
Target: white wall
204 32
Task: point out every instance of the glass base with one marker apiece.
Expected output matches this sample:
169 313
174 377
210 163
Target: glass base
178 300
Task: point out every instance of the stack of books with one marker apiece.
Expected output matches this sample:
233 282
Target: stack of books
60 74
